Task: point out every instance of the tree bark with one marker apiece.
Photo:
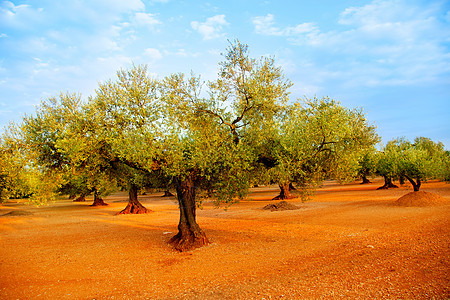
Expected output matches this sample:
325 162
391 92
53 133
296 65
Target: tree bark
189 235
416 184
365 180
168 194
134 206
387 184
97 200
292 187
284 192
82 198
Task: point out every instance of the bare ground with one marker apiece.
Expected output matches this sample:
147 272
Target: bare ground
349 242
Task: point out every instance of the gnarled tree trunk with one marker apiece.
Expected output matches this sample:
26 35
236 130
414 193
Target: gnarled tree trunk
189 235
134 206
387 184
97 200
284 192
416 184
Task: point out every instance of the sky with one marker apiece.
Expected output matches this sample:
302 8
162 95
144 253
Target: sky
390 58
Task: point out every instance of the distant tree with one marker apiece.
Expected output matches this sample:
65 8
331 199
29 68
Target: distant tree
367 165
422 160
446 158
417 162
387 166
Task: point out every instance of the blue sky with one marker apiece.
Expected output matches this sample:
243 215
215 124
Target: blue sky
390 57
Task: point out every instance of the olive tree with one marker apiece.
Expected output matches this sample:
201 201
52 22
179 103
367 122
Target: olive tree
125 115
210 136
54 140
418 161
16 176
318 139
367 165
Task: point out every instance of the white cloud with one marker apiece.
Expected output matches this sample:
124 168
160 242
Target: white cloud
382 43
153 53
120 5
211 28
265 25
145 19
18 16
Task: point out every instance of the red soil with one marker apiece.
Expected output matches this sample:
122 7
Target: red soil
421 198
348 242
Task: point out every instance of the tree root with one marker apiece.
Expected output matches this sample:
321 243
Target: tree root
99 202
134 209
390 186
283 197
188 241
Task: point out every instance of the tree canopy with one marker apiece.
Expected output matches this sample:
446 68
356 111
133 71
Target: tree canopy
418 161
218 136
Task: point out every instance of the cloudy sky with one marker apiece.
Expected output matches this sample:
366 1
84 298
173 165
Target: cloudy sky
390 57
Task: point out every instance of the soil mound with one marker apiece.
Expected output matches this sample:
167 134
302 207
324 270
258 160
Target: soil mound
17 213
421 198
283 205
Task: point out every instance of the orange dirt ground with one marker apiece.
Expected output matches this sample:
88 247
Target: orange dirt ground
349 241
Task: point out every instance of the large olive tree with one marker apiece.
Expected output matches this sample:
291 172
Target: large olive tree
211 135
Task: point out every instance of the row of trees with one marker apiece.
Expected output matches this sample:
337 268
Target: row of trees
220 137
403 160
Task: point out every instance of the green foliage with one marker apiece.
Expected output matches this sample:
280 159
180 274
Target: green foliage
367 163
319 138
213 135
126 125
147 132
421 160
15 178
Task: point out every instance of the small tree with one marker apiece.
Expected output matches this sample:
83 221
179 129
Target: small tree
386 165
417 162
422 160
367 165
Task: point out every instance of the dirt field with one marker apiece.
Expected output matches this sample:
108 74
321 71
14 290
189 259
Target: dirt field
350 242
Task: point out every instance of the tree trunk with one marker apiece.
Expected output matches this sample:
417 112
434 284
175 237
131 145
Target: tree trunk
82 198
168 194
97 200
189 235
416 184
284 192
292 187
365 180
387 184
134 206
